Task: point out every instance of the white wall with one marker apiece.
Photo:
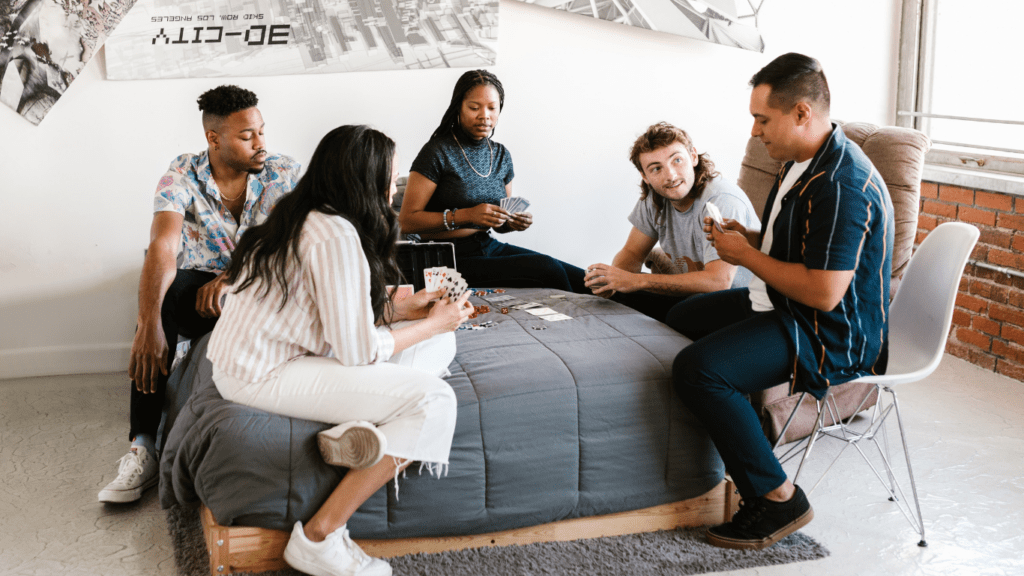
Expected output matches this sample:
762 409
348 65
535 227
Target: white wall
77 190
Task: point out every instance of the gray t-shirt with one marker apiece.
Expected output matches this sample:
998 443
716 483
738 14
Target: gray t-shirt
681 234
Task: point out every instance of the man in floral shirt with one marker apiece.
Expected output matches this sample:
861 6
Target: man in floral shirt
203 204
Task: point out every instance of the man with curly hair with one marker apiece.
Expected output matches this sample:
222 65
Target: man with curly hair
676 185
203 204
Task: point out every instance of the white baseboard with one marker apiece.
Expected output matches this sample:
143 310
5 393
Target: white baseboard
61 360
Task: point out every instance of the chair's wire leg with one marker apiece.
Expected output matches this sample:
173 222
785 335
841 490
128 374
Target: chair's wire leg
789 421
822 405
888 453
910 470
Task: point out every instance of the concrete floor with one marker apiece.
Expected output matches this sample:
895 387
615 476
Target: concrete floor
60 439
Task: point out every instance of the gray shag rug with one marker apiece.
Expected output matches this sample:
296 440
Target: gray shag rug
670 553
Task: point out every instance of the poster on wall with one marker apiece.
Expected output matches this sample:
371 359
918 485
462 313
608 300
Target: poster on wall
213 38
45 44
717 21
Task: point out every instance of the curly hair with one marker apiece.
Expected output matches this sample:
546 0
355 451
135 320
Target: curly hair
467 82
658 136
225 100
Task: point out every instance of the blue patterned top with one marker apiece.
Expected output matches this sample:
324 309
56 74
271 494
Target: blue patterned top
442 161
837 216
189 189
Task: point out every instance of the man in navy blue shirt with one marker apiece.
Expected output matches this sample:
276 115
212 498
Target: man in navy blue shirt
816 314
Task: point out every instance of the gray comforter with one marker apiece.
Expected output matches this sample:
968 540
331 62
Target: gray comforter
556 420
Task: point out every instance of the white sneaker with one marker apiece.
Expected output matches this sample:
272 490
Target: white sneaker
355 445
337 555
136 471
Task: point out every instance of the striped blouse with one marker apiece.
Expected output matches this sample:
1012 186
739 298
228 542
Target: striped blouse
837 216
328 312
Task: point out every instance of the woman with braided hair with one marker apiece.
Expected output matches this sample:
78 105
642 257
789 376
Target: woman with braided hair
455 189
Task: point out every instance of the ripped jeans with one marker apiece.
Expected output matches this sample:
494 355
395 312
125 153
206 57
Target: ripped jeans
404 397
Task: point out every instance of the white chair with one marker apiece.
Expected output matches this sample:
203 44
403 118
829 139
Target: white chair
919 318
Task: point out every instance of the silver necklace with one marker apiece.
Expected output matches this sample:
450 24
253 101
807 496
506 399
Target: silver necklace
490 163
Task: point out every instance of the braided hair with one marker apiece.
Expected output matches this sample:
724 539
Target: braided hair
467 82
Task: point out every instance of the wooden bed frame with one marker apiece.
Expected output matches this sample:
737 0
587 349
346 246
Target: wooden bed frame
243 549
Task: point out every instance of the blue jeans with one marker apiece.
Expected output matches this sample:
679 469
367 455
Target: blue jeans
485 262
735 352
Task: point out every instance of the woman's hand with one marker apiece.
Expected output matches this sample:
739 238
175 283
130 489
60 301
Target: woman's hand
519 221
446 316
415 306
486 215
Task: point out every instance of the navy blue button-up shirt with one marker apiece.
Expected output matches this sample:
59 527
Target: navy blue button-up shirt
837 216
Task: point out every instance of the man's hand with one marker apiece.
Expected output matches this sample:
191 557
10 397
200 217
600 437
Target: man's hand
149 357
519 221
209 296
604 280
731 244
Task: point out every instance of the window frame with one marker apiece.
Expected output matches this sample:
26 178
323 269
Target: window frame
913 95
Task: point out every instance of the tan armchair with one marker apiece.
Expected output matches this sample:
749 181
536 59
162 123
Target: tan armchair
898 154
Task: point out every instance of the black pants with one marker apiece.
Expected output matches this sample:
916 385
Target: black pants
485 262
648 303
735 352
179 316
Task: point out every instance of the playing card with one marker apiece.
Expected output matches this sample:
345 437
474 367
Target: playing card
556 317
526 306
715 215
514 204
497 297
541 311
459 286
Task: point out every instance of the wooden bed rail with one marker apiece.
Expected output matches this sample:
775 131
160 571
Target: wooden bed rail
244 549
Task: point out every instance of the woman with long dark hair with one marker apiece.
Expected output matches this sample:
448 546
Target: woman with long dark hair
455 189
311 331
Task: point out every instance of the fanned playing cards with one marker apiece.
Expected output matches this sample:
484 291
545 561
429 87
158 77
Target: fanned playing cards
514 204
447 279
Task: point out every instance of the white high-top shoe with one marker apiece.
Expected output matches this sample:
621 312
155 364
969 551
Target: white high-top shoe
136 471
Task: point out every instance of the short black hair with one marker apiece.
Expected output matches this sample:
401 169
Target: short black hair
794 77
223 101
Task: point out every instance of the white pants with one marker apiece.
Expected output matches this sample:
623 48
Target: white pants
404 397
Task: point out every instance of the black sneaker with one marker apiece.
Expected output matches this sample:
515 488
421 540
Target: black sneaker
761 523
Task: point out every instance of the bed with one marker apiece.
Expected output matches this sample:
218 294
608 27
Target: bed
557 420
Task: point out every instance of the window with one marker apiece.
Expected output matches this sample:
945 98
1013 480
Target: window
960 82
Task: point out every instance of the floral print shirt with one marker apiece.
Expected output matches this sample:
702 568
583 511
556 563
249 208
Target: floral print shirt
209 232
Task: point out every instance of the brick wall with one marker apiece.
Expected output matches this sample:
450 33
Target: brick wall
988 322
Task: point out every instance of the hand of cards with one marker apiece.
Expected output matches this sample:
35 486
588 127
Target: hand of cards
514 204
447 279
715 215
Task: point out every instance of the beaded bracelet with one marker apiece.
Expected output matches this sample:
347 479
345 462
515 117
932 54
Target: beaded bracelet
444 219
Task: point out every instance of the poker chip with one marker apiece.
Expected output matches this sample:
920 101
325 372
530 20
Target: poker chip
504 310
483 309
